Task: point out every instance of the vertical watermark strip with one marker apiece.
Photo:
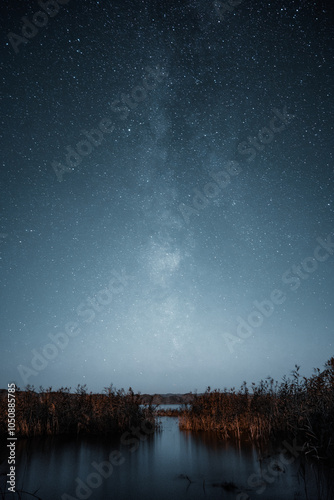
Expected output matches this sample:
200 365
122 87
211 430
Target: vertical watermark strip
11 481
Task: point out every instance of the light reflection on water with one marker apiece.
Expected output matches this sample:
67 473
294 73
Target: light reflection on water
168 465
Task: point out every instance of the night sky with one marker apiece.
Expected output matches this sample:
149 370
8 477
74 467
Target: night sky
166 192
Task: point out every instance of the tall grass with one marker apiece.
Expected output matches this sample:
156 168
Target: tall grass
61 412
298 407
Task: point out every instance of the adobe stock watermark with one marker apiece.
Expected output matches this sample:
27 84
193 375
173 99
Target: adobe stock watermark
40 19
122 107
227 7
103 470
277 124
259 481
211 190
292 277
86 310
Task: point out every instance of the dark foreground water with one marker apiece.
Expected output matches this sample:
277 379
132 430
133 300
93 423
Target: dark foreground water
165 466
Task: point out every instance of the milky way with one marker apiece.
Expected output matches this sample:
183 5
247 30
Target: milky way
167 193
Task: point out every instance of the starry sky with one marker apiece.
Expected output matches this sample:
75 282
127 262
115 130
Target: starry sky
166 192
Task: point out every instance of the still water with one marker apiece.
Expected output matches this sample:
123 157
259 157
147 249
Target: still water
168 465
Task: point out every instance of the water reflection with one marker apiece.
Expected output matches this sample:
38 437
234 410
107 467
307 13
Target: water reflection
167 465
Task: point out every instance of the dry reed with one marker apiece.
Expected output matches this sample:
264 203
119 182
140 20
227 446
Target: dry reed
50 412
297 407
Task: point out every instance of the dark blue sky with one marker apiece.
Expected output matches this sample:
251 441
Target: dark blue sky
166 192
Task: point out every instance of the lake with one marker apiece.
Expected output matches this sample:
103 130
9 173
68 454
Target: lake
170 464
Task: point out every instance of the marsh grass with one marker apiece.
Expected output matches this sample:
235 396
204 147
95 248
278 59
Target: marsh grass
298 407
50 412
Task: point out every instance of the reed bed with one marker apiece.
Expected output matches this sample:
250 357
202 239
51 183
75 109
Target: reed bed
298 407
50 412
